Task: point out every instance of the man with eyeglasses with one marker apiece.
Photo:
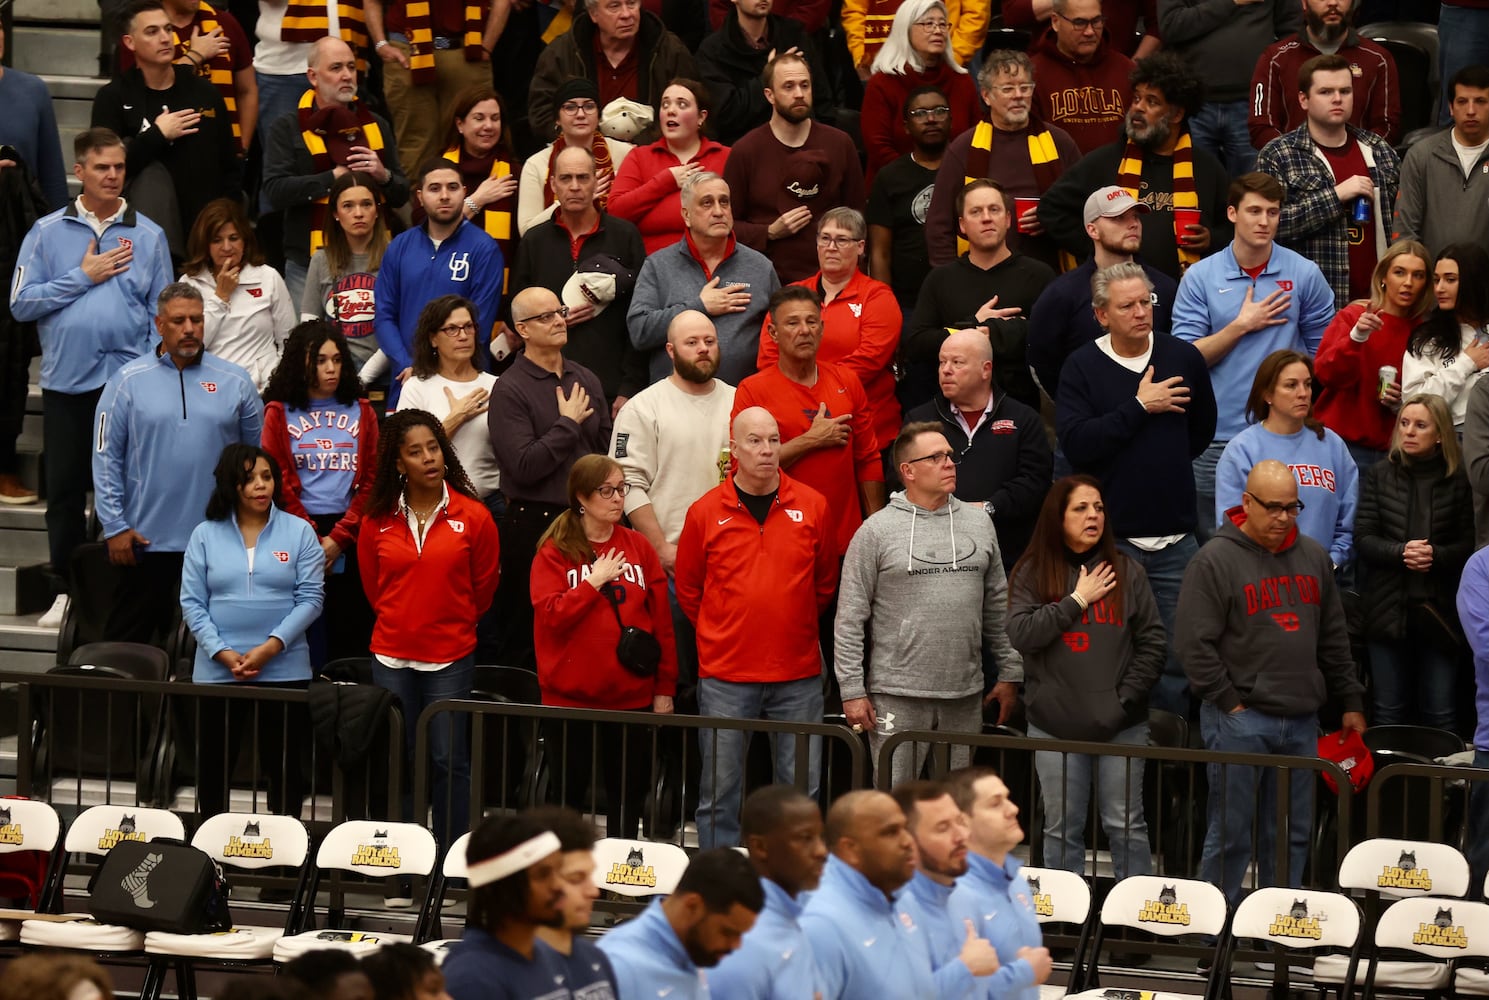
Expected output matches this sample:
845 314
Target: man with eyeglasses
1122 19
1262 637
731 60
544 414
1013 147
446 255
1134 409
627 51
926 557
1083 84
900 198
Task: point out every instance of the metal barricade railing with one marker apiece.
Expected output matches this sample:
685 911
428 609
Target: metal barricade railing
1409 800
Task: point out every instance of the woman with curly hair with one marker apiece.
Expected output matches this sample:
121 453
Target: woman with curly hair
429 562
322 431
247 306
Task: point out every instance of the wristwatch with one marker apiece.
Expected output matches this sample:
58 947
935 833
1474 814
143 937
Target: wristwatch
987 505
380 43
470 203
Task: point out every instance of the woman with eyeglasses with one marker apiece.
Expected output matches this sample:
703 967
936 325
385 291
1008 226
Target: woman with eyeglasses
1414 532
1084 618
917 53
578 104
860 318
648 185
1365 337
592 577
1279 412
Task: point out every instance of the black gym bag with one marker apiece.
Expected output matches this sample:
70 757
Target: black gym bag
161 885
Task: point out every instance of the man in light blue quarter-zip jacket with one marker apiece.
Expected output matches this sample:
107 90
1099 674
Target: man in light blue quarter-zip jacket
663 952
782 829
995 889
861 946
961 958
160 426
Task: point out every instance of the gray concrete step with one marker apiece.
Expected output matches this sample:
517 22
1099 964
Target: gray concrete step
72 11
72 51
26 646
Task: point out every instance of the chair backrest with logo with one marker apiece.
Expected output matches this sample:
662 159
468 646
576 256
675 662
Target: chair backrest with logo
638 867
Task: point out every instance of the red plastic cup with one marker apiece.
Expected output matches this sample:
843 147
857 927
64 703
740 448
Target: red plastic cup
1022 205
1184 217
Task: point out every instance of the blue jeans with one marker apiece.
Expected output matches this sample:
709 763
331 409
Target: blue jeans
1478 827
722 751
295 275
1462 40
1414 684
1065 790
1220 129
278 96
1364 457
1165 569
1240 796
449 740
1204 491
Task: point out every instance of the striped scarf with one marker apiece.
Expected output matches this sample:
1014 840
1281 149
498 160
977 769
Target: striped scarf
320 155
305 21
218 70
1043 157
1130 176
496 218
599 148
419 22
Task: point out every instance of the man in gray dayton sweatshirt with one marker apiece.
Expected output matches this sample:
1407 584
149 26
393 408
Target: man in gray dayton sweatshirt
925 578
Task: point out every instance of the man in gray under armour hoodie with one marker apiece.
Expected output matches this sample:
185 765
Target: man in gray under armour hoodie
925 579
1261 634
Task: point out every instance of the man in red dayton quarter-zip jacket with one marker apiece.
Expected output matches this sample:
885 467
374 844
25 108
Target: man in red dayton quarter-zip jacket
756 566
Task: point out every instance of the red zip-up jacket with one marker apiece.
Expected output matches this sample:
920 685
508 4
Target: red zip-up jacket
1348 398
754 591
575 632
428 602
276 441
646 194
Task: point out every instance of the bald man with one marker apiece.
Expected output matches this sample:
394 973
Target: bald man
1261 635
756 566
343 135
862 946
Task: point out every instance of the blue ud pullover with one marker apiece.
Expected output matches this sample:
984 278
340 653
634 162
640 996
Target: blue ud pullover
928 905
414 271
774 962
163 427
1003 907
88 331
861 946
649 960
227 605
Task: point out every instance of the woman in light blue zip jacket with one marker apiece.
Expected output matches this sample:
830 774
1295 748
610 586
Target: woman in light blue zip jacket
251 584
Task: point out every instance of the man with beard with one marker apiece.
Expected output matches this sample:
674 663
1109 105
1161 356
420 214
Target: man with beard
731 59
663 951
784 174
1062 319
1159 166
782 831
900 199
574 255
1328 29
162 422
515 870
1012 147
961 959
861 946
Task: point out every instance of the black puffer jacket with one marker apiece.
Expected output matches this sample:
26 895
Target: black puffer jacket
1388 502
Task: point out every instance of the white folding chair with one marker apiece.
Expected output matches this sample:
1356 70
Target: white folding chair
1165 908
454 867
29 825
1397 869
374 850
638 868
1300 920
1062 897
94 833
1443 929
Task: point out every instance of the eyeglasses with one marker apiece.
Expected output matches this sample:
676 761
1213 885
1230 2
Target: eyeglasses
607 491
1014 90
1278 509
938 457
934 27
835 242
545 317
937 113
579 107
1082 24
458 329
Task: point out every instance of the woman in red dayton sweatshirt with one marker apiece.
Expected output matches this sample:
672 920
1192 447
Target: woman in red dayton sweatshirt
588 568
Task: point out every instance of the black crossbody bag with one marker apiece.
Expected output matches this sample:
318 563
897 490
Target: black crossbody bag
638 650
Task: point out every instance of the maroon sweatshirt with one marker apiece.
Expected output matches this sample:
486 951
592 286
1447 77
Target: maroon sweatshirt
1274 88
883 123
1121 20
1086 100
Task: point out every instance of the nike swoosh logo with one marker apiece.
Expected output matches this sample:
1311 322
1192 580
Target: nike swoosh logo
727 519
129 107
870 942
385 528
666 992
842 390
1222 291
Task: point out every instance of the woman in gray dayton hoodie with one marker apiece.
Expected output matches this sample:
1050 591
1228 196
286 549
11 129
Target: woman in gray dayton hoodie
1083 616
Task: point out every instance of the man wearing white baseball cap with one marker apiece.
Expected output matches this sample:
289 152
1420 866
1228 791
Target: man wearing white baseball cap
1062 320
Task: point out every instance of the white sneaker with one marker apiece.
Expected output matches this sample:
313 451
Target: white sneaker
55 614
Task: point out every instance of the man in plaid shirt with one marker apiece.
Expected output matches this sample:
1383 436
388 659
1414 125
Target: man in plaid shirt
1328 166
